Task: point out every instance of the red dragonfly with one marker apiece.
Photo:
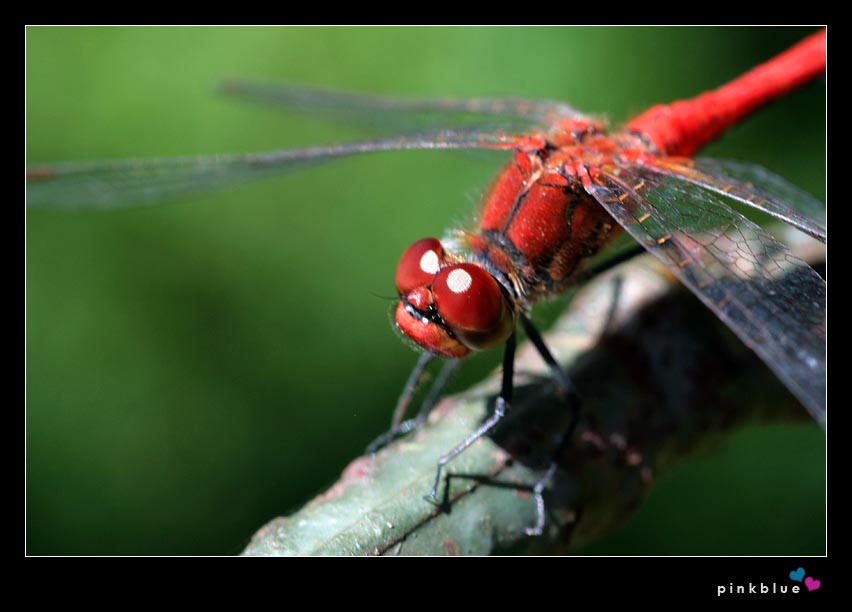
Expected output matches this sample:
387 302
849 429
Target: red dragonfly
569 189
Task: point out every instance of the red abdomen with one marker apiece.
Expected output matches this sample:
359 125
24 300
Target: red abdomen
539 229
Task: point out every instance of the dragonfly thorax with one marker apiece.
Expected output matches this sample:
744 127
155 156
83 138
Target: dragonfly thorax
539 224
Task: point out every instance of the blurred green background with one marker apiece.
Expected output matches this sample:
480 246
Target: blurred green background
198 368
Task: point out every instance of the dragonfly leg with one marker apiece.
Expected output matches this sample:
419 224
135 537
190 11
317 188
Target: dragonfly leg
558 374
501 408
434 395
544 481
401 427
626 255
567 388
414 380
574 406
538 494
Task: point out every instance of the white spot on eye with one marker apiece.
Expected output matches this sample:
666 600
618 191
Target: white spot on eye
459 281
429 262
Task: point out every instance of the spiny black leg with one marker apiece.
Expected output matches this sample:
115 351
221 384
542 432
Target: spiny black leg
429 402
411 385
434 394
574 405
565 384
539 487
626 255
535 337
561 378
501 407
414 380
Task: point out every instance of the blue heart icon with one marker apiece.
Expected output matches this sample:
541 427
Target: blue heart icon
798 574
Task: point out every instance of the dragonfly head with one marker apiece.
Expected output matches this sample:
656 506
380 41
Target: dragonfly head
449 308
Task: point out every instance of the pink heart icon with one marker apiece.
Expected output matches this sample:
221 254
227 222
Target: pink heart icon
812 583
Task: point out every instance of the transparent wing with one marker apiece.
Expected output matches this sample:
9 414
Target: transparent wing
772 300
404 114
117 183
739 181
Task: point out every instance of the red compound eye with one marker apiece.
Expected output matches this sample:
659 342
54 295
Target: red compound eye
472 305
419 264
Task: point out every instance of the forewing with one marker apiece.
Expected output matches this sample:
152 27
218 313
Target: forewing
118 183
381 114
